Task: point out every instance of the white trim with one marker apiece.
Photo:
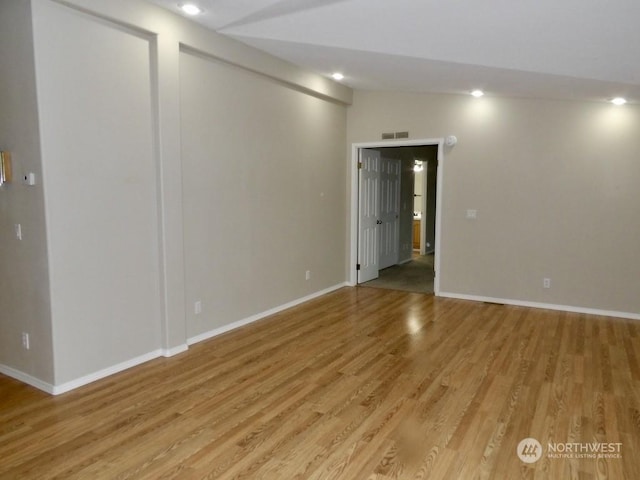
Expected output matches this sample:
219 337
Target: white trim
423 209
78 382
105 372
548 306
258 316
170 352
25 378
92 377
355 148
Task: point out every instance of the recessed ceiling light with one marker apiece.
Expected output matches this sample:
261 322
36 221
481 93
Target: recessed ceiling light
190 9
477 93
618 101
337 76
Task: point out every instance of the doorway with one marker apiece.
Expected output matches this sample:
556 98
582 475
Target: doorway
366 215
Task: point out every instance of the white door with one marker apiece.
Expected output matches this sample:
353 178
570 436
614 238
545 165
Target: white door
389 212
368 215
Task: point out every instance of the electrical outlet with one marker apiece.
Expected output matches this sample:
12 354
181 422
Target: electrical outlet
18 228
197 307
307 275
29 179
25 341
546 283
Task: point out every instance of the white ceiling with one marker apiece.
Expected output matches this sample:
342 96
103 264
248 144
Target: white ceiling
563 49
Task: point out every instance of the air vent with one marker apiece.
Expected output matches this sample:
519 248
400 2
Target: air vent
388 136
402 134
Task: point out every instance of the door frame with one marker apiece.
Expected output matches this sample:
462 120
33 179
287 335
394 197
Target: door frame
355 191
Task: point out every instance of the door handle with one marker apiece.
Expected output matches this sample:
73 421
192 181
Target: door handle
378 222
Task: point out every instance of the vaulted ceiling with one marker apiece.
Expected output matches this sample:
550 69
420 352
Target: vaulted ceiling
562 49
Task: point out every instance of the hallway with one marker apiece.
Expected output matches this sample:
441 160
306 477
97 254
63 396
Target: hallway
414 276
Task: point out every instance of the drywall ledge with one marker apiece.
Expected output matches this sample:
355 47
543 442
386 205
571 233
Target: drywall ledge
152 19
258 316
548 306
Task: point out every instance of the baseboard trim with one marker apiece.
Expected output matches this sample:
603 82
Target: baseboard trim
258 316
170 352
548 306
26 378
106 372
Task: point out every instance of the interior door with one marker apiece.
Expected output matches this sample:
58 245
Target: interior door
389 229
368 215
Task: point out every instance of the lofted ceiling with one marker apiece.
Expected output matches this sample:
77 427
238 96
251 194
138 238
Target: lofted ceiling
560 49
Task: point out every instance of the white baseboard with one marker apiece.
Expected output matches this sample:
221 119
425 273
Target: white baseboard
548 306
92 377
26 378
258 316
170 352
105 372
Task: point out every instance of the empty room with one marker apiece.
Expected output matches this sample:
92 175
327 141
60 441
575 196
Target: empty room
195 197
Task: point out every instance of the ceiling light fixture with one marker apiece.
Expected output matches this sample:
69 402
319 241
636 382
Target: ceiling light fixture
190 9
337 76
477 93
618 101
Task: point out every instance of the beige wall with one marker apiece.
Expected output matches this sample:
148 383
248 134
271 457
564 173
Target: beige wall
171 177
108 105
554 184
264 194
24 277
96 120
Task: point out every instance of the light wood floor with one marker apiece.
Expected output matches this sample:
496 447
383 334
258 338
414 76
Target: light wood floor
360 384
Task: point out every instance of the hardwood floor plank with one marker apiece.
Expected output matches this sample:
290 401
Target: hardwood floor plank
361 383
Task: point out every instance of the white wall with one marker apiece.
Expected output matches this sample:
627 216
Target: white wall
24 277
554 184
405 238
418 188
264 194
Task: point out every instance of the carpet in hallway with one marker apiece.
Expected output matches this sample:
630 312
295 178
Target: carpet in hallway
413 276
